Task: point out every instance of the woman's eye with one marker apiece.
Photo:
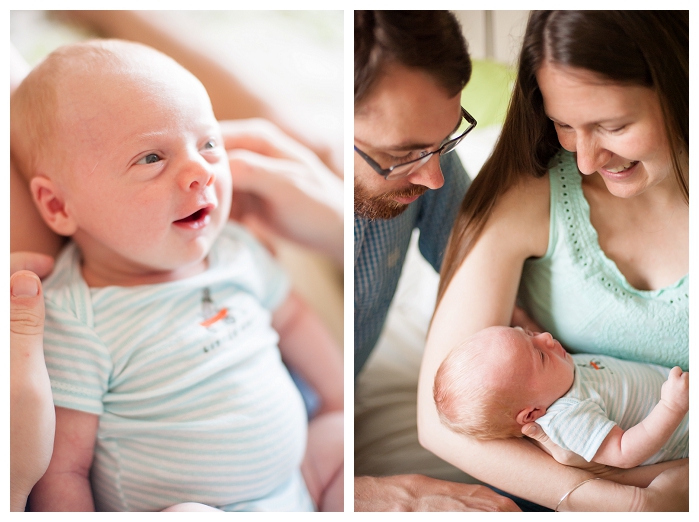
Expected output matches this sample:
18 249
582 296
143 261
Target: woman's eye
150 158
615 131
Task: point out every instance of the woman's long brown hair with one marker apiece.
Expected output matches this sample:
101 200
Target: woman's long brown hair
648 48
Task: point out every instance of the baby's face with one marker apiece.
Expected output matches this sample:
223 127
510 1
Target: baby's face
149 185
535 366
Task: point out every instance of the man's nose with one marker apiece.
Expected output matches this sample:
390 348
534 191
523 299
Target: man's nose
429 175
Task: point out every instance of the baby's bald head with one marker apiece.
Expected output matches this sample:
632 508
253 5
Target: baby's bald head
70 88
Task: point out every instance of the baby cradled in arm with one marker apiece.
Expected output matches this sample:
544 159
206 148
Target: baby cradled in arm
166 324
613 412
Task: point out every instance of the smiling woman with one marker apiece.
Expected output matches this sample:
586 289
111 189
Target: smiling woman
592 243
622 136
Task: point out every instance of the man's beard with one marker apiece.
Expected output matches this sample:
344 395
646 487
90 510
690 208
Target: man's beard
382 206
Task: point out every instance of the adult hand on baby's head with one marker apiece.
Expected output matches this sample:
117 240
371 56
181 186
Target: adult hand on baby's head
675 391
284 186
32 416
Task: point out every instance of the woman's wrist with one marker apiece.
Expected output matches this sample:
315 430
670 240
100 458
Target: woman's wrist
596 494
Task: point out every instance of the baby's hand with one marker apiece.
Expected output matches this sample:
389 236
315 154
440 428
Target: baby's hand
675 391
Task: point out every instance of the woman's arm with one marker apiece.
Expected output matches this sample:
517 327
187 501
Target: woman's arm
481 294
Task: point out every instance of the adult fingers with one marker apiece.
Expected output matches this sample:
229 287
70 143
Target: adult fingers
534 432
256 135
265 138
263 175
26 311
40 264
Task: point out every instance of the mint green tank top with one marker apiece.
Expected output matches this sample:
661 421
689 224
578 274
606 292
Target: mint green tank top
579 295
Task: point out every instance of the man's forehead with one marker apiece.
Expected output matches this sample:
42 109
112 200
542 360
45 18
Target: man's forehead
406 110
403 130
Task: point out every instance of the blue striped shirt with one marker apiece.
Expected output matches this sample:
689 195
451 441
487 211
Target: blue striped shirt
380 247
607 391
194 402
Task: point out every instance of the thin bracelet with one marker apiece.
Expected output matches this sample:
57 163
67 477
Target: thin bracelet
574 488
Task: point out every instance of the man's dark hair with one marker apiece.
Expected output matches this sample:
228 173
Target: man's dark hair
427 40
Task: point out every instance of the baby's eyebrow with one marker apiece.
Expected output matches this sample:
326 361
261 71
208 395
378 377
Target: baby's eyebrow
145 136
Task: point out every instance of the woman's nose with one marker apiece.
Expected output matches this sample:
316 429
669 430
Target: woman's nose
591 155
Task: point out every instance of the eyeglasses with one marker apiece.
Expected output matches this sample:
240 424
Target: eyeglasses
406 168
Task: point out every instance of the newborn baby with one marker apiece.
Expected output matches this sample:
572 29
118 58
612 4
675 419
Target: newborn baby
164 322
613 412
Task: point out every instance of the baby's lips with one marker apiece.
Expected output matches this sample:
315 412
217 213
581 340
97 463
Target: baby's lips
200 213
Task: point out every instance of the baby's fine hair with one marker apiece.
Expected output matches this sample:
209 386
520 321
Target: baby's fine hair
34 118
464 404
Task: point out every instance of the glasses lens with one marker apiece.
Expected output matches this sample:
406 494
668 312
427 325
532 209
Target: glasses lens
448 147
405 170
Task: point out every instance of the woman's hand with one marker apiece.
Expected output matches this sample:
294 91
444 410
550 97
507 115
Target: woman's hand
32 416
282 185
563 456
668 492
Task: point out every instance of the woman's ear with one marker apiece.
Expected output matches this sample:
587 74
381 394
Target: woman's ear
52 206
529 414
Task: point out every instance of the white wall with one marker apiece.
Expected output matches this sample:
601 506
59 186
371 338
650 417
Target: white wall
496 35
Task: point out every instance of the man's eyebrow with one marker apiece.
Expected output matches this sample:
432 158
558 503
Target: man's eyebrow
407 146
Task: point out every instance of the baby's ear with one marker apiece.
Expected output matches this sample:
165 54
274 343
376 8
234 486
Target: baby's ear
52 206
529 414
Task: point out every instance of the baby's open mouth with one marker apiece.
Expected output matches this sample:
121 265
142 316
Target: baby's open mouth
199 214
197 219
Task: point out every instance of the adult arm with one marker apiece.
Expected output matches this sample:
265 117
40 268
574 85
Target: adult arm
308 348
420 493
32 418
482 294
284 186
66 484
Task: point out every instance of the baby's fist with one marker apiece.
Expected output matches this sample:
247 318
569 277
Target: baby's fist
675 391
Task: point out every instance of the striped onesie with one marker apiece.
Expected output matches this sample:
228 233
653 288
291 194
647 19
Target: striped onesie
193 400
607 391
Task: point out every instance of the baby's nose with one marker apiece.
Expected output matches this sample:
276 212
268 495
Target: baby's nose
196 175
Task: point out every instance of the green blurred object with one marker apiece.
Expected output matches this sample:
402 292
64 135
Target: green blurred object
488 92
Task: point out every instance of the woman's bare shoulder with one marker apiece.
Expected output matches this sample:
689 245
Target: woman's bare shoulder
521 215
